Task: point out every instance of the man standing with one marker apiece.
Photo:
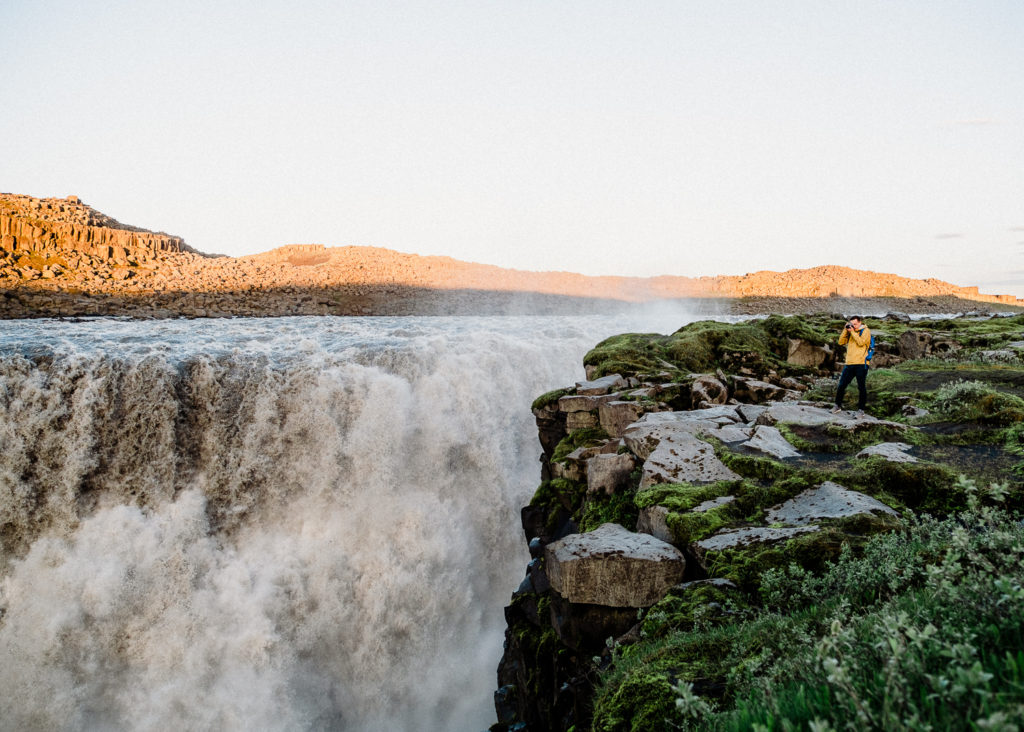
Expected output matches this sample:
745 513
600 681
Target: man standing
857 339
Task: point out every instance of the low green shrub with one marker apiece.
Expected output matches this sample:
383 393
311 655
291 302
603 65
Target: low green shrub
976 401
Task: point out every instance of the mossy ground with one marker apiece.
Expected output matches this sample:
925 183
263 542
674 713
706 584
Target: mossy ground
760 345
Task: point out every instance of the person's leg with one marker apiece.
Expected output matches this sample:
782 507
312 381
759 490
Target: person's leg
844 380
862 389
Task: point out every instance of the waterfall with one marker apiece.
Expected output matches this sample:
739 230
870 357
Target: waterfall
266 524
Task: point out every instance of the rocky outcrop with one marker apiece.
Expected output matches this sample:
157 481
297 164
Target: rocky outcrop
614 567
731 489
53 227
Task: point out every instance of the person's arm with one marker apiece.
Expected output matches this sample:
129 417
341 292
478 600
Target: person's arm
844 336
862 339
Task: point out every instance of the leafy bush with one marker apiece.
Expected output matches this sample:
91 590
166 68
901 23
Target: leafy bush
923 630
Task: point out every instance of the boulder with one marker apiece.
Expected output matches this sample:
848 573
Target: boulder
653 520
609 473
828 501
770 441
752 390
913 343
614 567
895 452
805 353
616 416
604 385
580 420
707 390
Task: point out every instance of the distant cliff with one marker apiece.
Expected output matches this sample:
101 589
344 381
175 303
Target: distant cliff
62 257
44 226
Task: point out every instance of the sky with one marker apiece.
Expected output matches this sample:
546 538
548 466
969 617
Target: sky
644 138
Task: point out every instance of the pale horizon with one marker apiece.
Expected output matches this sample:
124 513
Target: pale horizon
656 140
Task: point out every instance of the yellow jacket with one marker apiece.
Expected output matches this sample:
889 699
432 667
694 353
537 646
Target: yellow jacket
859 342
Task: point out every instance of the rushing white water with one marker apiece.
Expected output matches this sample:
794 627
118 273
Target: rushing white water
305 523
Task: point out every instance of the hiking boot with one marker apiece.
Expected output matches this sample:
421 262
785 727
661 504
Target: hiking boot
836 409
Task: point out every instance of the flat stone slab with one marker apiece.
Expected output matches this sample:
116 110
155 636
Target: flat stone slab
828 501
643 438
614 567
720 414
771 442
895 452
750 412
808 416
681 457
597 387
732 433
736 538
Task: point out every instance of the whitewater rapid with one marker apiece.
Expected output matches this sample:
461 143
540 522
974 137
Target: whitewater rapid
287 524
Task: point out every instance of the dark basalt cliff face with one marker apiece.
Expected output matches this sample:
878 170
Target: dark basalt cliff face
691 472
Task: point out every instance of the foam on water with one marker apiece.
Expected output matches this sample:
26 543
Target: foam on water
305 523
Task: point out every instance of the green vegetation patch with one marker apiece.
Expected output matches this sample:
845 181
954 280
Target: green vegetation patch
618 508
551 397
920 628
585 437
559 499
976 401
703 346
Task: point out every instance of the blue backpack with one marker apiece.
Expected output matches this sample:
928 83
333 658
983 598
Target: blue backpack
871 350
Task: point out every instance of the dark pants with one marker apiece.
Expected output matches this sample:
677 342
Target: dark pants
851 372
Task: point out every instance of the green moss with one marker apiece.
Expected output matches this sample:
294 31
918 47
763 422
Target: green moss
753 498
690 527
551 397
703 346
697 606
753 466
683 496
586 437
559 499
834 438
922 486
745 565
618 508
638 703
628 354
